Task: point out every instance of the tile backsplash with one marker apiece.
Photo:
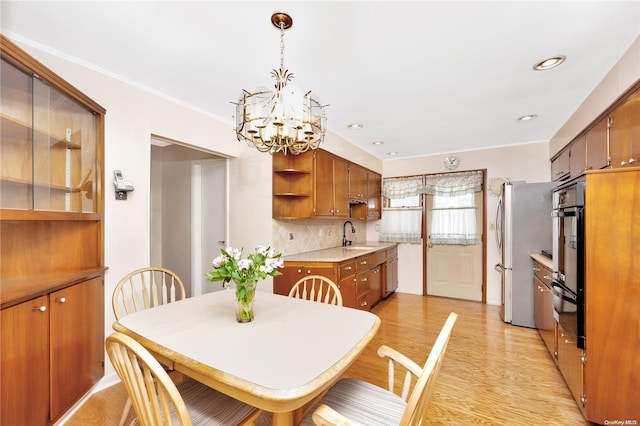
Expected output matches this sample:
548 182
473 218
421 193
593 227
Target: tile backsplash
299 236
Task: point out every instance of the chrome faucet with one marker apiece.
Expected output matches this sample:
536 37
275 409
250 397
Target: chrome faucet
346 242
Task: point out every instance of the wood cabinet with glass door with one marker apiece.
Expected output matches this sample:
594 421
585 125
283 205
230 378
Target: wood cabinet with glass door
52 227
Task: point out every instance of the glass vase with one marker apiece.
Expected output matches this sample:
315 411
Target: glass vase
245 294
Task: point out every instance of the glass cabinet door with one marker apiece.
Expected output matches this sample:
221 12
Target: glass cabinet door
48 149
16 159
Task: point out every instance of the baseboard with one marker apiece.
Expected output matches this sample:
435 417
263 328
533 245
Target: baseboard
105 382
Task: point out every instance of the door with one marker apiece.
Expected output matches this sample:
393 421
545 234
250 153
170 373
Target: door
455 270
213 221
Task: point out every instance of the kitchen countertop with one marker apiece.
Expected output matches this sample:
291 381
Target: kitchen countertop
545 261
339 254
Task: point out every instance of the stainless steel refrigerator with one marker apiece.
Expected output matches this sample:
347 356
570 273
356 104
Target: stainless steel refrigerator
523 227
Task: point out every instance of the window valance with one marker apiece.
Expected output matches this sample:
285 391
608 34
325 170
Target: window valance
454 184
395 188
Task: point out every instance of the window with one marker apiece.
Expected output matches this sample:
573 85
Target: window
402 214
453 215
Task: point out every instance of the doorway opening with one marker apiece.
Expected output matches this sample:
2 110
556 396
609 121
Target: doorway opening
188 207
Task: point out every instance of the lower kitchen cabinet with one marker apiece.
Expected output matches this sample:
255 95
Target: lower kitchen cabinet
570 363
362 279
390 282
543 307
52 352
293 271
24 362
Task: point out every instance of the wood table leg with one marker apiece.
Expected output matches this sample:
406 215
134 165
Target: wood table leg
282 419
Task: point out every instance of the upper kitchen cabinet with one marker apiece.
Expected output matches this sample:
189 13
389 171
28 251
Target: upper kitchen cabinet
624 132
560 165
578 157
590 151
597 145
357 184
292 186
317 184
374 195
331 185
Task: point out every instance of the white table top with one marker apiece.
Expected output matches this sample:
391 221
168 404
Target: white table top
290 352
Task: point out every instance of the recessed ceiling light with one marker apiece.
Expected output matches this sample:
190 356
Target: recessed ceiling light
392 153
549 63
377 143
354 126
528 117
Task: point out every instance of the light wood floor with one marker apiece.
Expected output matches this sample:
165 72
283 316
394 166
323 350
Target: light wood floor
493 373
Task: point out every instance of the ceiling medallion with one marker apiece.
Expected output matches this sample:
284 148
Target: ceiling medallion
283 119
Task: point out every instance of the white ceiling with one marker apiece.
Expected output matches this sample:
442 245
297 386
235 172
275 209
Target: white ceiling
424 77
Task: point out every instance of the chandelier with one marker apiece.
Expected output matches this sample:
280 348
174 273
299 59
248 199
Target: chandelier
282 119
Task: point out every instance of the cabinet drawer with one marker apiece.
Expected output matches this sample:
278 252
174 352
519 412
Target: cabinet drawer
378 258
362 303
363 263
362 283
543 273
347 268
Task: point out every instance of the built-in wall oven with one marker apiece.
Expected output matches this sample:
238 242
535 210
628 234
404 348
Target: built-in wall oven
568 260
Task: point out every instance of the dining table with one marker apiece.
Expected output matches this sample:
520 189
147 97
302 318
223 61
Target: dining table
284 359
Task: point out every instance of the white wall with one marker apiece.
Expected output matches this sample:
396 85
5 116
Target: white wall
621 77
522 162
133 115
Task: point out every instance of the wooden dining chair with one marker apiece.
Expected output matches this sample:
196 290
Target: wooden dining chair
142 289
145 288
355 402
157 400
318 289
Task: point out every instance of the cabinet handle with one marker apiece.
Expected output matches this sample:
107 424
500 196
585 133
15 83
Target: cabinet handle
536 269
364 262
623 163
364 279
632 160
299 271
308 271
364 303
540 288
348 268
547 277
40 308
61 299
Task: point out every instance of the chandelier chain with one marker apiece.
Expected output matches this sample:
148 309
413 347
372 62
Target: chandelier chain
281 45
